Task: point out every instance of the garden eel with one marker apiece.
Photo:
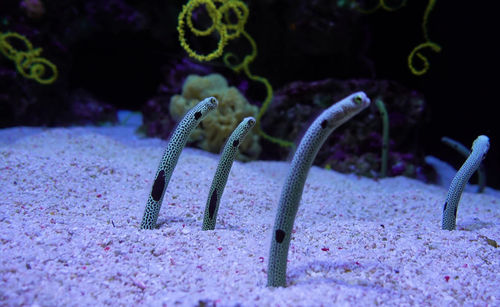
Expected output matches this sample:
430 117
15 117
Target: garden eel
464 151
385 136
291 193
220 179
479 149
170 157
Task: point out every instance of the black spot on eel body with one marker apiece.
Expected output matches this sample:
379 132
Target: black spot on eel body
455 211
445 204
324 124
280 235
158 186
197 115
213 202
236 143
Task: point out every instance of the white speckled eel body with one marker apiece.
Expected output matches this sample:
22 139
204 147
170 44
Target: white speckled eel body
221 174
291 193
463 150
479 149
170 157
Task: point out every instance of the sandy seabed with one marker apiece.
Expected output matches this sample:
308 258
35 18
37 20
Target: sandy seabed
72 200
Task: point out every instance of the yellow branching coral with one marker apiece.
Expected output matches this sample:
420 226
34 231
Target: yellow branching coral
28 62
219 12
427 44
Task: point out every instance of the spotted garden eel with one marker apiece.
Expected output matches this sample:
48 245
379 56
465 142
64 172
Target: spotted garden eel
479 149
220 179
464 151
170 157
291 193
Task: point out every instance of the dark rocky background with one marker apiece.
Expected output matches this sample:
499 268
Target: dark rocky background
119 54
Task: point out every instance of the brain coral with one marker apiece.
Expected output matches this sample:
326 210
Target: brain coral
213 131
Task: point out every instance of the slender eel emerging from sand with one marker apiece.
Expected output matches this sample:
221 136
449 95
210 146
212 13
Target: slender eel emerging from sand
464 151
385 136
291 193
167 164
220 179
479 149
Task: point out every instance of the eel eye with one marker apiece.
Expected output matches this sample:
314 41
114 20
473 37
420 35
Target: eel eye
358 99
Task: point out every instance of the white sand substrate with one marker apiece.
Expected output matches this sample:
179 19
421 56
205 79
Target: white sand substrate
72 200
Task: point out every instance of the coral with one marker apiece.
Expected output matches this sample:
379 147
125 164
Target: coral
479 150
425 63
28 62
221 23
169 160
427 44
292 189
216 127
221 174
415 51
224 28
63 29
